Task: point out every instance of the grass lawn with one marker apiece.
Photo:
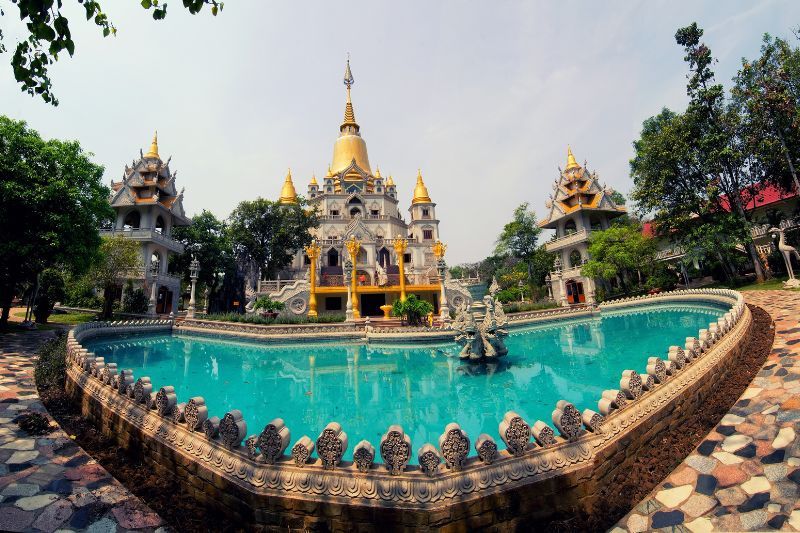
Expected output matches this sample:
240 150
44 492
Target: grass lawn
63 318
772 284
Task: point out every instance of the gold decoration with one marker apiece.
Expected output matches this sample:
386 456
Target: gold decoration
312 251
438 249
313 180
288 194
571 163
153 153
353 246
349 146
400 246
420 191
390 181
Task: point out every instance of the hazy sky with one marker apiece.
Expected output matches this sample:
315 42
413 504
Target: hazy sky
482 96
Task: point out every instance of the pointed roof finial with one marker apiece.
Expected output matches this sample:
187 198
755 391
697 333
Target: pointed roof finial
153 153
571 163
420 191
313 180
349 114
288 194
390 181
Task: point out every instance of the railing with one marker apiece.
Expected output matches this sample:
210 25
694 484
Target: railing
789 223
147 234
670 253
568 272
167 279
566 240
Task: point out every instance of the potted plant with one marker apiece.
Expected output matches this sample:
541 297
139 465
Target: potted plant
267 307
413 310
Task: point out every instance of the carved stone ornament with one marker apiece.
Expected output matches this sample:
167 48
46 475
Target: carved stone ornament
232 428
211 427
515 432
677 356
631 384
142 389
486 448
274 440
166 400
331 445
124 381
568 420
195 413
395 449
656 367
612 399
648 382
593 421
301 451
250 445
454 446
178 413
429 459
544 434
364 456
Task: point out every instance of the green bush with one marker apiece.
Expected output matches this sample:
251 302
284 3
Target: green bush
413 310
80 293
51 290
134 301
268 304
51 366
258 319
508 295
524 307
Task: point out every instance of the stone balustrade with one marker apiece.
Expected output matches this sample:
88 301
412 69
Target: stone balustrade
450 469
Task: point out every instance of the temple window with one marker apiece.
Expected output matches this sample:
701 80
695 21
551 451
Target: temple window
132 220
333 257
575 259
596 224
407 258
570 227
334 212
355 212
374 212
330 189
306 260
159 225
426 213
427 234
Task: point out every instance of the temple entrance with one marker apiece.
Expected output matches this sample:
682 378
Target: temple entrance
384 259
371 304
333 257
164 301
575 292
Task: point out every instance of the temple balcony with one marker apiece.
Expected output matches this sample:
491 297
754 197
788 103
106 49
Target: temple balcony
169 280
763 229
147 235
567 240
673 252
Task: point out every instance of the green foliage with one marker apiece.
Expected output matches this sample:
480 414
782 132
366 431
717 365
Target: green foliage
268 304
524 307
134 301
80 292
413 310
508 295
51 204
519 237
618 198
51 365
117 257
48 34
619 251
326 318
266 234
50 291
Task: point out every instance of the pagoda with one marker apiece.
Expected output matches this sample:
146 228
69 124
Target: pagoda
578 206
148 205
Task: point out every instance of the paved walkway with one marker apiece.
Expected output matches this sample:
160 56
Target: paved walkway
745 475
49 483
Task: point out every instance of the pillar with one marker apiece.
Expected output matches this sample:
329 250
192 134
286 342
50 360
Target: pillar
400 246
312 251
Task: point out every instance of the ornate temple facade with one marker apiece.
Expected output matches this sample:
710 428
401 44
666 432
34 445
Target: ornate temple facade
148 205
361 222
578 206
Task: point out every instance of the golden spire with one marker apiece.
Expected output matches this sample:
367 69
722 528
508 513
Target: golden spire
288 194
349 114
420 191
349 145
571 163
390 181
378 172
153 153
313 180
330 173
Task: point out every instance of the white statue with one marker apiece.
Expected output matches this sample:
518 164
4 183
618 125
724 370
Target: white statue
788 252
383 279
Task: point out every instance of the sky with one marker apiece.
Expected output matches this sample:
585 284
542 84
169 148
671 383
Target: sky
483 97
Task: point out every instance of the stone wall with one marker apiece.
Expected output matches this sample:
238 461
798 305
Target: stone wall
556 476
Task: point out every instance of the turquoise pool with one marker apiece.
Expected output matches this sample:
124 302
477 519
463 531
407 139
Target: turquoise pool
423 388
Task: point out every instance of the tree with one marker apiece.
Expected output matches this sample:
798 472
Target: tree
48 34
117 258
618 198
51 204
412 310
49 291
134 300
618 251
519 237
207 240
266 234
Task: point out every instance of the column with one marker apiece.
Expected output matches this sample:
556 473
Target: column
400 246
353 247
441 267
348 268
312 251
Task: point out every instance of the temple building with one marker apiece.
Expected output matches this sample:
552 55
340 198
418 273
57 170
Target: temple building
578 207
361 222
148 206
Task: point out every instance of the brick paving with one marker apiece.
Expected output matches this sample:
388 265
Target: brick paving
745 475
48 483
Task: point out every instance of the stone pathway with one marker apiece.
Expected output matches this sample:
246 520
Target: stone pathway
49 483
745 475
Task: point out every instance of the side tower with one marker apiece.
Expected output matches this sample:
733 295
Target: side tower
578 207
148 206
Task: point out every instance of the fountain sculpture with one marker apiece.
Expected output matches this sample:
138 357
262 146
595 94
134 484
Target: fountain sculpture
481 328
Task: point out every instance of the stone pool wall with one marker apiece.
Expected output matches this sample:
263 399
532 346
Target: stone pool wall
276 482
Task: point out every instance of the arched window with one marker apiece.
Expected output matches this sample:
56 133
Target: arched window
596 224
384 258
570 227
575 259
132 220
159 225
355 212
333 257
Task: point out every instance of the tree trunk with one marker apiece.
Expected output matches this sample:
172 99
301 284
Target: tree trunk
108 302
724 264
789 160
749 245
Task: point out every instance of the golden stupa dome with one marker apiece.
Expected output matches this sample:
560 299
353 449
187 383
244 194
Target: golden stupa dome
571 163
313 180
153 152
420 191
288 194
349 146
390 181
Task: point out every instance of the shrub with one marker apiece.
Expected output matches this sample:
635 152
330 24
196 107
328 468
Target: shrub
412 310
258 319
80 293
524 307
268 304
51 366
134 301
51 290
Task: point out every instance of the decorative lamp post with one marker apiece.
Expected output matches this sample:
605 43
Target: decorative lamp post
521 291
353 247
400 246
438 252
348 270
151 307
549 282
194 270
312 251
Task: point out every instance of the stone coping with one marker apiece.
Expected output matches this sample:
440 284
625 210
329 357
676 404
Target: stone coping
266 464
